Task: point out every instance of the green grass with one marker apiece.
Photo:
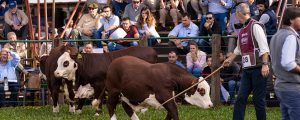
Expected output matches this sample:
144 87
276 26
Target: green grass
186 112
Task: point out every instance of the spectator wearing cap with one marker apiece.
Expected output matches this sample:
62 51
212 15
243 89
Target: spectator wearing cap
133 10
267 16
15 21
185 29
220 9
87 24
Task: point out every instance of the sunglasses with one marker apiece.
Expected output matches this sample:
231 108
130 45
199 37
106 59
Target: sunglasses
92 8
209 18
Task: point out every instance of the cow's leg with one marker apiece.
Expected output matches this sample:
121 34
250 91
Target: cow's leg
172 111
54 95
80 105
99 98
129 111
112 101
70 96
169 106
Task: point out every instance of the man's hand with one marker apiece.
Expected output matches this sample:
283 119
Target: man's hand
87 32
207 25
222 2
265 70
194 56
251 2
227 62
177 43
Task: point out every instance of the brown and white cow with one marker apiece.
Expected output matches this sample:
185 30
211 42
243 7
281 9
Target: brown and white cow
48 65
92 69
141 84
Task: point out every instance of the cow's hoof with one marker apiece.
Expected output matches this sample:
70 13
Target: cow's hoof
72 109
95 103
78 111
144 110
97 114
56 109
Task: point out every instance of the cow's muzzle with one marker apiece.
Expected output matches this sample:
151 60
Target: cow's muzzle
58 74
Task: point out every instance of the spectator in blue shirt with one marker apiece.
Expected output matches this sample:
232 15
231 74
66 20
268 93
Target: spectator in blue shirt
109 22
185 29
7 69
173 58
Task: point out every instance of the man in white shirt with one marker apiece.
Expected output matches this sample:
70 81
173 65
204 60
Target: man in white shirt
185 29
285 45
252 45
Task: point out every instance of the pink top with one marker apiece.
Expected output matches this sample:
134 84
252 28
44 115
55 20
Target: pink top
199 63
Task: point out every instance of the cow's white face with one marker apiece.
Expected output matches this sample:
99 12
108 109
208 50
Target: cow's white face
66 67
201 96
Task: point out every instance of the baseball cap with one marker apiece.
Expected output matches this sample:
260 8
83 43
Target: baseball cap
12 5
93 5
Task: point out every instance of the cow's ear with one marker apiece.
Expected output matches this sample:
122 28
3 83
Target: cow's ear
75 65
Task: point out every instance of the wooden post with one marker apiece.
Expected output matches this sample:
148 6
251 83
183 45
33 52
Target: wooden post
215 80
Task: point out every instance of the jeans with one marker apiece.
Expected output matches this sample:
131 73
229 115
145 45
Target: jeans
204 45
196 72
98 35
232 87
152 41
289 104
23 32
14 89
112 46
118 8
222 20
252 80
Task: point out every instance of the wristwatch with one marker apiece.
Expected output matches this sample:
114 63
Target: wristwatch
265 63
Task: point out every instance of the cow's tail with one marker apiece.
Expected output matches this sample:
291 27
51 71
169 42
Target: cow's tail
96 102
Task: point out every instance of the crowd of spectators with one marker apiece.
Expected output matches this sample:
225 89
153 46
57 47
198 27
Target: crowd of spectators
114 19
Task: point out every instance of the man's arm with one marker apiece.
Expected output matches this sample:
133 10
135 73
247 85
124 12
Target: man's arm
261 39
264 51
79 26
115 24
7 19
15 59
126 11
288 55
24 18
264 18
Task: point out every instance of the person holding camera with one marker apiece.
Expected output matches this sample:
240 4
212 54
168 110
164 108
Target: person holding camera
8 79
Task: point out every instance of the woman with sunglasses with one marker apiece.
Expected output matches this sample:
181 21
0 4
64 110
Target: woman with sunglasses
146 27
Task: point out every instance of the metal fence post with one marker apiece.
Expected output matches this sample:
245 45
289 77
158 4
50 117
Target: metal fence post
215 83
